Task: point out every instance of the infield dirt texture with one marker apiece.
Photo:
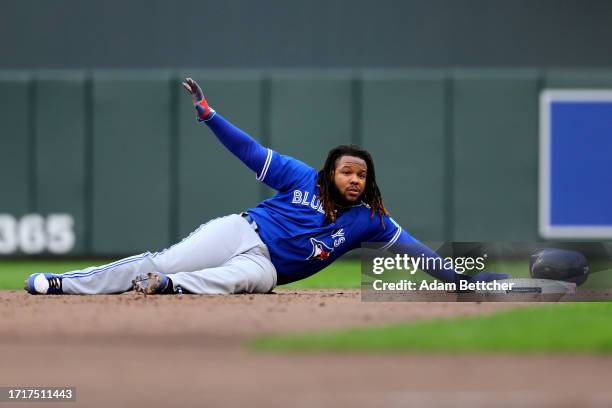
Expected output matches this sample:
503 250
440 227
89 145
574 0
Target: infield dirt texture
160 351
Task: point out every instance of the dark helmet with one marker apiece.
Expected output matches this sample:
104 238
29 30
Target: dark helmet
559 264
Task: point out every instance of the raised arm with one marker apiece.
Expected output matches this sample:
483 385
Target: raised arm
243 146
278 171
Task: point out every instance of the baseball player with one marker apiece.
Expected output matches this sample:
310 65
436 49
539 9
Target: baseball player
314 218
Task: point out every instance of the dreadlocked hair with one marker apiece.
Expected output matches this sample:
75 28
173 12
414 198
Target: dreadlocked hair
327 187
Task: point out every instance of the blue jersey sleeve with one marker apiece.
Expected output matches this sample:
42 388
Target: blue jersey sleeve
395 239
387 235
284 172
277 171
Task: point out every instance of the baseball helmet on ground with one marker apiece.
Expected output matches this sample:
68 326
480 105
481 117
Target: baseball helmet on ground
559 264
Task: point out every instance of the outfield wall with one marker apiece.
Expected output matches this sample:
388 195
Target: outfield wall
313 34
120 152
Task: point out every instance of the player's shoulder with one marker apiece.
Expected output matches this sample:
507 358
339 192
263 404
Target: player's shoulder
296 164
298 167
378 222
311 179
363 213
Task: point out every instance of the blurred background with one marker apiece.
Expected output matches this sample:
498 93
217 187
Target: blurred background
100 153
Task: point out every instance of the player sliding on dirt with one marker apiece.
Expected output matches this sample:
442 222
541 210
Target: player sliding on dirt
315 217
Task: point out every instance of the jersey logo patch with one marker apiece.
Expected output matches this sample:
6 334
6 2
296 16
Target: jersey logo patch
338 237
320 250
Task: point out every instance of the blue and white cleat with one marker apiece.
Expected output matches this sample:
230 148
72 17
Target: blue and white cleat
44 284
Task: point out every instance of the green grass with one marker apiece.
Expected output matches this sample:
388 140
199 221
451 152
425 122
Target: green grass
345 273
573 327
14 272
342 274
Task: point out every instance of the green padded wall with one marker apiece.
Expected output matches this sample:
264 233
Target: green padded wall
212 181
60 149
309 114
456 153
131 162
403 127
15 133
495 148
578 79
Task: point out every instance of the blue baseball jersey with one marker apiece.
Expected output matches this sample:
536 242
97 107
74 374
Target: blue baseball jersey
292 222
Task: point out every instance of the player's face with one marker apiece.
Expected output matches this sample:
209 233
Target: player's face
350 177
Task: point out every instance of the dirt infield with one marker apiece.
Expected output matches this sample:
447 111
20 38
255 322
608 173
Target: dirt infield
160 351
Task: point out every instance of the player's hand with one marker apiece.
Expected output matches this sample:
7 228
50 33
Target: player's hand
203 110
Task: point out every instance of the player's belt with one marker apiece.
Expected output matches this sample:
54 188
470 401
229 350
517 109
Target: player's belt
250 220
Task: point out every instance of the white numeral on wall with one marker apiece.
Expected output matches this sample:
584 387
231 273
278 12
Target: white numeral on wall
31 233
60 233
34 233
8 234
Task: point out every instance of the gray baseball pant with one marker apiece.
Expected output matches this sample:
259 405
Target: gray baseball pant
223 256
